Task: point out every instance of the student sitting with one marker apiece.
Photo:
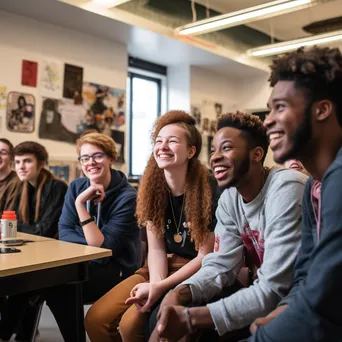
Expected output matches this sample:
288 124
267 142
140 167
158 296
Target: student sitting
41 195
9 180
306 106
176 204
99 210
259 212
38 205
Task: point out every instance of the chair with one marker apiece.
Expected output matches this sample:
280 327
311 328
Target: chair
40 304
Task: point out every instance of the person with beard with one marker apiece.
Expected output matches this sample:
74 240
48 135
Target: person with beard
258 218
305 122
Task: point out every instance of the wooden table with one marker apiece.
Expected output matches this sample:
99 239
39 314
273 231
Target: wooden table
46 263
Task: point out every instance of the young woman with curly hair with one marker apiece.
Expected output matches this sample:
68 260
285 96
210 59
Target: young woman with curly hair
176 205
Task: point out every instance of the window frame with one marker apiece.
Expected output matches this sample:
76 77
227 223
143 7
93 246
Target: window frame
145 76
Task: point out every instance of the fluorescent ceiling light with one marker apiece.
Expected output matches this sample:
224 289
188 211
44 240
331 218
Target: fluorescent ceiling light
109 3
268 10
274 49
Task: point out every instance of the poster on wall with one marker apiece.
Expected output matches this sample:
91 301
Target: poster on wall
60 171
206 115
20 112
3 96
73 80
59 120
196 113
105 108
102 110
218 110
29 73
51 79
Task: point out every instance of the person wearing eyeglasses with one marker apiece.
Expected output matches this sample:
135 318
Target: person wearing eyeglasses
99 210
9 180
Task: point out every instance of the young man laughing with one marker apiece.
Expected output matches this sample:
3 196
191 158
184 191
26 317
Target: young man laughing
305 122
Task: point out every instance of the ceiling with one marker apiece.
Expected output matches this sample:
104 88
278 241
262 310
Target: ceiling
284 27
140 42
146 27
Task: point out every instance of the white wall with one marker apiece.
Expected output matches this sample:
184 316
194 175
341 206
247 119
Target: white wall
250 94
211 87
179 87
254 93
104 62
254 96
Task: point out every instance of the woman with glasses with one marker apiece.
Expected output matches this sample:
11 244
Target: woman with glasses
99 210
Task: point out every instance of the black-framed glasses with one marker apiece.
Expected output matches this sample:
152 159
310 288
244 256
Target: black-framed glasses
97 158
4 153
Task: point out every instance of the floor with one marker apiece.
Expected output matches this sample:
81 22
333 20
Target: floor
48 330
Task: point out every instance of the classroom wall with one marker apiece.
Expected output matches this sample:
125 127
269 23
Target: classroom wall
213 88
104 62
179 87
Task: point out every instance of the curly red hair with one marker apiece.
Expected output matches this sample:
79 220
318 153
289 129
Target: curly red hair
153 190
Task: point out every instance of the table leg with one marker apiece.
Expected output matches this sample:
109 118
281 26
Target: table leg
80 314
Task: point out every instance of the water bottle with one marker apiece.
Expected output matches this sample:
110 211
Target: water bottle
8 224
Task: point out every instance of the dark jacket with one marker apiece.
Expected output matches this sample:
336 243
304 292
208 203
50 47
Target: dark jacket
8 191
117 221
51 203
315 302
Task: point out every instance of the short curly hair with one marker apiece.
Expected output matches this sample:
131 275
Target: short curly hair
317 71
250 125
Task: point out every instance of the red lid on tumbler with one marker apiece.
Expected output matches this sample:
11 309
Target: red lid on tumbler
9 215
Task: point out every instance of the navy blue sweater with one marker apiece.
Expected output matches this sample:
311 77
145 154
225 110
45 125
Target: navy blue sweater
117 221
315 302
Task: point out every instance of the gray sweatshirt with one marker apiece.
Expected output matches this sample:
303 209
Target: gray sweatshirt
275 217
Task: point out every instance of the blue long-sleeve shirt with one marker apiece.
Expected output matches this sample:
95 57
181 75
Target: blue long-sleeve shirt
117 221
315 302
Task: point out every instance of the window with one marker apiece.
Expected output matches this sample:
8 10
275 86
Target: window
144 106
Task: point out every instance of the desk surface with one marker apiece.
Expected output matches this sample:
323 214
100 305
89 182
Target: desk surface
46 253
25 236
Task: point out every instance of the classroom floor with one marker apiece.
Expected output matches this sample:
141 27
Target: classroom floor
48 330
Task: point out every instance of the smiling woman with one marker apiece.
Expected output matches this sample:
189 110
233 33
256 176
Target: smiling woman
176 205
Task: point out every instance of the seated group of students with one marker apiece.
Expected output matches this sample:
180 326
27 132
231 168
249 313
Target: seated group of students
261 249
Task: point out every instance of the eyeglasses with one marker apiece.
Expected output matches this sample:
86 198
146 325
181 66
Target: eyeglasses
4 153
97 158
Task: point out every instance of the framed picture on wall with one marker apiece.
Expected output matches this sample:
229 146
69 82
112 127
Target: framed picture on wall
20 112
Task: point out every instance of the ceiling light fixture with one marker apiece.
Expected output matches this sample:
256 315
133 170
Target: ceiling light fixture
109 3
264 11
278 48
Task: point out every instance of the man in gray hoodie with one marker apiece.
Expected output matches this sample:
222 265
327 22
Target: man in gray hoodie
258 218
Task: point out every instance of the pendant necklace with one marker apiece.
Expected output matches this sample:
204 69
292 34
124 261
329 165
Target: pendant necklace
177 237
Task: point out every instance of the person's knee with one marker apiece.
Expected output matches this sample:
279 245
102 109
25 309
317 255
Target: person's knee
94 319
125 327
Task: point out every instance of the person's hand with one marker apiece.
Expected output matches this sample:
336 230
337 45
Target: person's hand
156 291
172 324
267 319
94 192
171 298
139 295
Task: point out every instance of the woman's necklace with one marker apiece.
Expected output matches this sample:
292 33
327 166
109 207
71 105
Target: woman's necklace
177 237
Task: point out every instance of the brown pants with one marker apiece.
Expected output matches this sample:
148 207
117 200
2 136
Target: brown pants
110 317
110 314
